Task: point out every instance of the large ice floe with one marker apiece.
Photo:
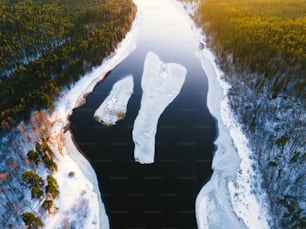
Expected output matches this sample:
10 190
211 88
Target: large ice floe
161 83
114 106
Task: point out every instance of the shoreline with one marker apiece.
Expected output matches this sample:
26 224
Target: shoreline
231 163
230 188
87 187
214 194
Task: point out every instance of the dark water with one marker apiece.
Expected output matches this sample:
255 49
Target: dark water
161 195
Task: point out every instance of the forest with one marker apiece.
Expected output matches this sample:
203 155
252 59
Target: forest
47 45
263 37
261 48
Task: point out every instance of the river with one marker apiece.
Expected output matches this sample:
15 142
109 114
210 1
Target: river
163 194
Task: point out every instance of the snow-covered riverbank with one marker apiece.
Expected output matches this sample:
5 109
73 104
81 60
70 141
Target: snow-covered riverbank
230 195
80 202
233 197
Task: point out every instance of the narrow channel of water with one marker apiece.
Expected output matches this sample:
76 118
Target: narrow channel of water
161 195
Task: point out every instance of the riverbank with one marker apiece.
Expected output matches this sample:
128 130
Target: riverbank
79 189
233 197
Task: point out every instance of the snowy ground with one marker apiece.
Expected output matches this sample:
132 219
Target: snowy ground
161 83
213 205
230 190
229 199
80 204
113 108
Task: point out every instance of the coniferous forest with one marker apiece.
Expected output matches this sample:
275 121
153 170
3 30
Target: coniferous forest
260 45
46 45
266 37
261 48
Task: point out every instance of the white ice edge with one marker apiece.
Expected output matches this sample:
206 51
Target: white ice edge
113 108
213 204
227 200
229 189
232 165
71 160
161 83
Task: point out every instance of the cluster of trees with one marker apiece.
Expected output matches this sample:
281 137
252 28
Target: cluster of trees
46 45
32 221
39 190
46 154
264 37
43 153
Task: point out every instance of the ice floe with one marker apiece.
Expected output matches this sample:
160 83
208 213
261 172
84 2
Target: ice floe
114 106
161 83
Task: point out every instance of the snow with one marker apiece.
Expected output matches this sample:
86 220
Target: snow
80 204
229 189
161 83
114 106
229 199
230 186
75 191
225 162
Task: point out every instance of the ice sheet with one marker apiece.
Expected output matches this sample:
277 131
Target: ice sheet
114 106
161 83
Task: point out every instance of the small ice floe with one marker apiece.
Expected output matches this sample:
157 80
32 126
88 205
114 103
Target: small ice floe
114 106
161 83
